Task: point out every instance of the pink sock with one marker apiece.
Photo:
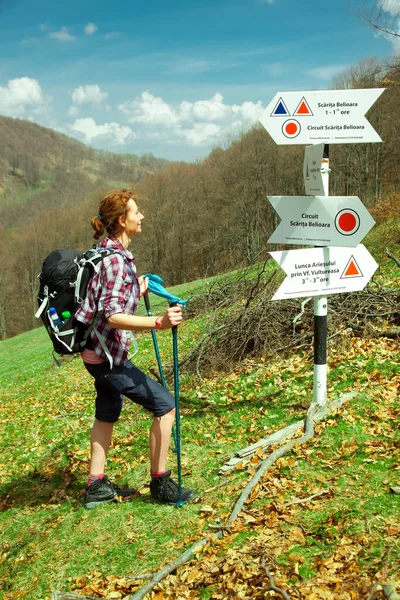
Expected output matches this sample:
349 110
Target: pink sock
156 474
93 478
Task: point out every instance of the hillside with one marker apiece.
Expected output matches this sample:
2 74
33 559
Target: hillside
30 154
49 190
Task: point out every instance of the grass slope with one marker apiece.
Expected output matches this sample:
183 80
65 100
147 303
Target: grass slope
49 541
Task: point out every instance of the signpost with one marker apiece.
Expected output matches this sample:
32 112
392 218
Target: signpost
329 116
339 223
333 221
322 271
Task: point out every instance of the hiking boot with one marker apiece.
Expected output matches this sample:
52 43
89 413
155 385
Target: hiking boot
165 490
102 491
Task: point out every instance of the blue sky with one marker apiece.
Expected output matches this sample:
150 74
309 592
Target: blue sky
172 78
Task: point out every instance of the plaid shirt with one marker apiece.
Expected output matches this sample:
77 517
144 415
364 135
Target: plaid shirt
113 289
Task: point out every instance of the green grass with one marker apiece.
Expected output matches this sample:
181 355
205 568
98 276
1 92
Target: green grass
48 538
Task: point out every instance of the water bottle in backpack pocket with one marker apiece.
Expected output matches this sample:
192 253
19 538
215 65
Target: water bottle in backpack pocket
68 336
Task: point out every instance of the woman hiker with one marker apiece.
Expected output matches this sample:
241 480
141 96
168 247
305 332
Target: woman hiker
111 301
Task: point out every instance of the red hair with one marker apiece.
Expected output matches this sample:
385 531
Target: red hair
111 208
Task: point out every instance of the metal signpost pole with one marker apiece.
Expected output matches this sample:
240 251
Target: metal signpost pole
321 316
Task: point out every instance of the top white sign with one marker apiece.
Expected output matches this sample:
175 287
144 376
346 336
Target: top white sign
332 117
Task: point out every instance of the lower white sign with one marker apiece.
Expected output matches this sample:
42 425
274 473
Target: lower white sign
323 271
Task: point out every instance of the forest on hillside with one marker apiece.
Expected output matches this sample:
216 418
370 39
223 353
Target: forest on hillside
201 218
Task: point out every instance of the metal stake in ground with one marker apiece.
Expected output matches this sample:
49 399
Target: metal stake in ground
177 410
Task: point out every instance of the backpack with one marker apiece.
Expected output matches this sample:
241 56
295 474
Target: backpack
63 285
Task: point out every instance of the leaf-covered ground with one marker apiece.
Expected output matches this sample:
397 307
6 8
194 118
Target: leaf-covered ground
342 543
323 522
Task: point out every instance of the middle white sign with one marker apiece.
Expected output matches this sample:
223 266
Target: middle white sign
320 220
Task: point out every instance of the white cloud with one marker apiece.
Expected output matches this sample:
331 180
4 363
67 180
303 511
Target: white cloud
112 35
73 111
90 29
201 122
205 110
87 94
62 36
327 72
391 22
150 110
23 97
202 133
113 133
390 6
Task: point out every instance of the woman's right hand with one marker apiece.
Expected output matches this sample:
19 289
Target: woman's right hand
172 317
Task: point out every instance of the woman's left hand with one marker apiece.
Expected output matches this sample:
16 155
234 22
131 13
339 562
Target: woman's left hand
144 284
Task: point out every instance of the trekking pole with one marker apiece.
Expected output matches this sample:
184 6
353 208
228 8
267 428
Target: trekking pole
155 343
177 413
157 353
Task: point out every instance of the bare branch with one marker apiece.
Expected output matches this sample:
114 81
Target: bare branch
393 257
304 500
272 585
381 20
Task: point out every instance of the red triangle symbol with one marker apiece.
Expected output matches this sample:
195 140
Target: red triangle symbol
352 270
303 109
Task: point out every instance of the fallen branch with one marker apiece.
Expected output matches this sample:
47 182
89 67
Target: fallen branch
272 586
389 590
304 500
190 553
211 489
389 333
322 411
271 459
393 257
142 577
56 595
181 560
313 412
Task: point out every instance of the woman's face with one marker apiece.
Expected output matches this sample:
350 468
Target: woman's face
133 219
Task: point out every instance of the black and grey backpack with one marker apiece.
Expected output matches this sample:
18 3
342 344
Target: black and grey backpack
64 281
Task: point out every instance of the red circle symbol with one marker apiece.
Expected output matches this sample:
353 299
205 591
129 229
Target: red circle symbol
291 128
347 221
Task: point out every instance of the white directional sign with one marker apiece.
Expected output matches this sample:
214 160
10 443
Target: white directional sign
331 116
322 271
316 171
320 220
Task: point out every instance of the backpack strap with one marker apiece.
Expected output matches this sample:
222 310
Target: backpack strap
60 334
103 345
97 254
44 303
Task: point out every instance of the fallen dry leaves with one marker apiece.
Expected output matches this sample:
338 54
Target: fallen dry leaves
271 530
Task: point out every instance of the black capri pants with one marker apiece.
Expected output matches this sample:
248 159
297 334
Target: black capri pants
127 380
